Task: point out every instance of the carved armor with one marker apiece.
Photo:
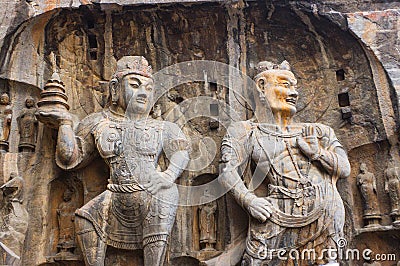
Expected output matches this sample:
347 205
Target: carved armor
126 216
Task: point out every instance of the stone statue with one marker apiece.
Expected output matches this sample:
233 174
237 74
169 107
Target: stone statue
207 222
14 220
28 127
66 217
5 121
138 208
392 186
296 205
367 184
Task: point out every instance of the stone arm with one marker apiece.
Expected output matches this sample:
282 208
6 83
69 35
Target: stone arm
332 158
176 148
235 152
335 162
75 148
387 181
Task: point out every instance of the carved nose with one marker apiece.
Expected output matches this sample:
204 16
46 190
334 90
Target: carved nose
142 95
293 93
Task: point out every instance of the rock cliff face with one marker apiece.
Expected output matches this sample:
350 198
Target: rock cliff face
345 54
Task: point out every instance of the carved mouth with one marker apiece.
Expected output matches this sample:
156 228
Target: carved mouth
291 101
141 100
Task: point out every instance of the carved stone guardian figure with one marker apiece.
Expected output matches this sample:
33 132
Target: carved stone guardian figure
392 187
28 127
366 181
66 217
138 208
14 220
207 222
296 205
5 121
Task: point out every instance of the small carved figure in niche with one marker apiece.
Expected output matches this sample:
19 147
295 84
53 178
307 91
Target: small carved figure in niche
66 217
392 186
367 184
157 112
295 203
14 222
28 127
207 222
5 121
138 209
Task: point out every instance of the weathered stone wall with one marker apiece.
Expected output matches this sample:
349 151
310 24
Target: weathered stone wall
333 46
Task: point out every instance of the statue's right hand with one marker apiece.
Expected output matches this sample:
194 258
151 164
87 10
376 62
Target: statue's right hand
54 117
260 208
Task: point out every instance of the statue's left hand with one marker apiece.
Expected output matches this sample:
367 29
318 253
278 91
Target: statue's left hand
159 180
308 143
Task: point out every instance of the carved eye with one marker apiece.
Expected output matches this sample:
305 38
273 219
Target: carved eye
286 84
135 85
149 87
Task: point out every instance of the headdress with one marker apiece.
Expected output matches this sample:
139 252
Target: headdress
133 65
266 65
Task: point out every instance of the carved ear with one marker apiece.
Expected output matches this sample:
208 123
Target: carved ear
114 86
261 81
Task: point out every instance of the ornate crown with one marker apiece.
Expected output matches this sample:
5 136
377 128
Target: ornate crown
133 65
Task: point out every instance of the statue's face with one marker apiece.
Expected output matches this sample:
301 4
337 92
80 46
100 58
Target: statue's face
136 93
363 167
4 99
68 195
279 88
29 102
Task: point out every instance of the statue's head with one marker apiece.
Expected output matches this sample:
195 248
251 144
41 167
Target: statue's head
132 85
277 84
4 99
29 102
363 167
67 196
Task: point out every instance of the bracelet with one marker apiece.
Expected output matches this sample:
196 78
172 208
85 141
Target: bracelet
66 123
315 157
170 173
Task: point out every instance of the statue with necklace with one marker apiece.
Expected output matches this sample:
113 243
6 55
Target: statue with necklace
291 199
138 208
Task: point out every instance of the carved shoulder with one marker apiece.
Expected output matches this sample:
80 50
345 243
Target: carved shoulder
88 124
240 130
173 138
236 145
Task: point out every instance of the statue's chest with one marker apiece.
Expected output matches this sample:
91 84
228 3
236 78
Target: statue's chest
269 148
133 140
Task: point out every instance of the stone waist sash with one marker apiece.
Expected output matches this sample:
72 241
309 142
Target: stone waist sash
289 220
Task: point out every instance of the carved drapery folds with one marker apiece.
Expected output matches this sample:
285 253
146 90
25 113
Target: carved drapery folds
367 184
27 127
5 121
14 221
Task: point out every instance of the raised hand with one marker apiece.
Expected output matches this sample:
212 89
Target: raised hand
308 143
54 118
